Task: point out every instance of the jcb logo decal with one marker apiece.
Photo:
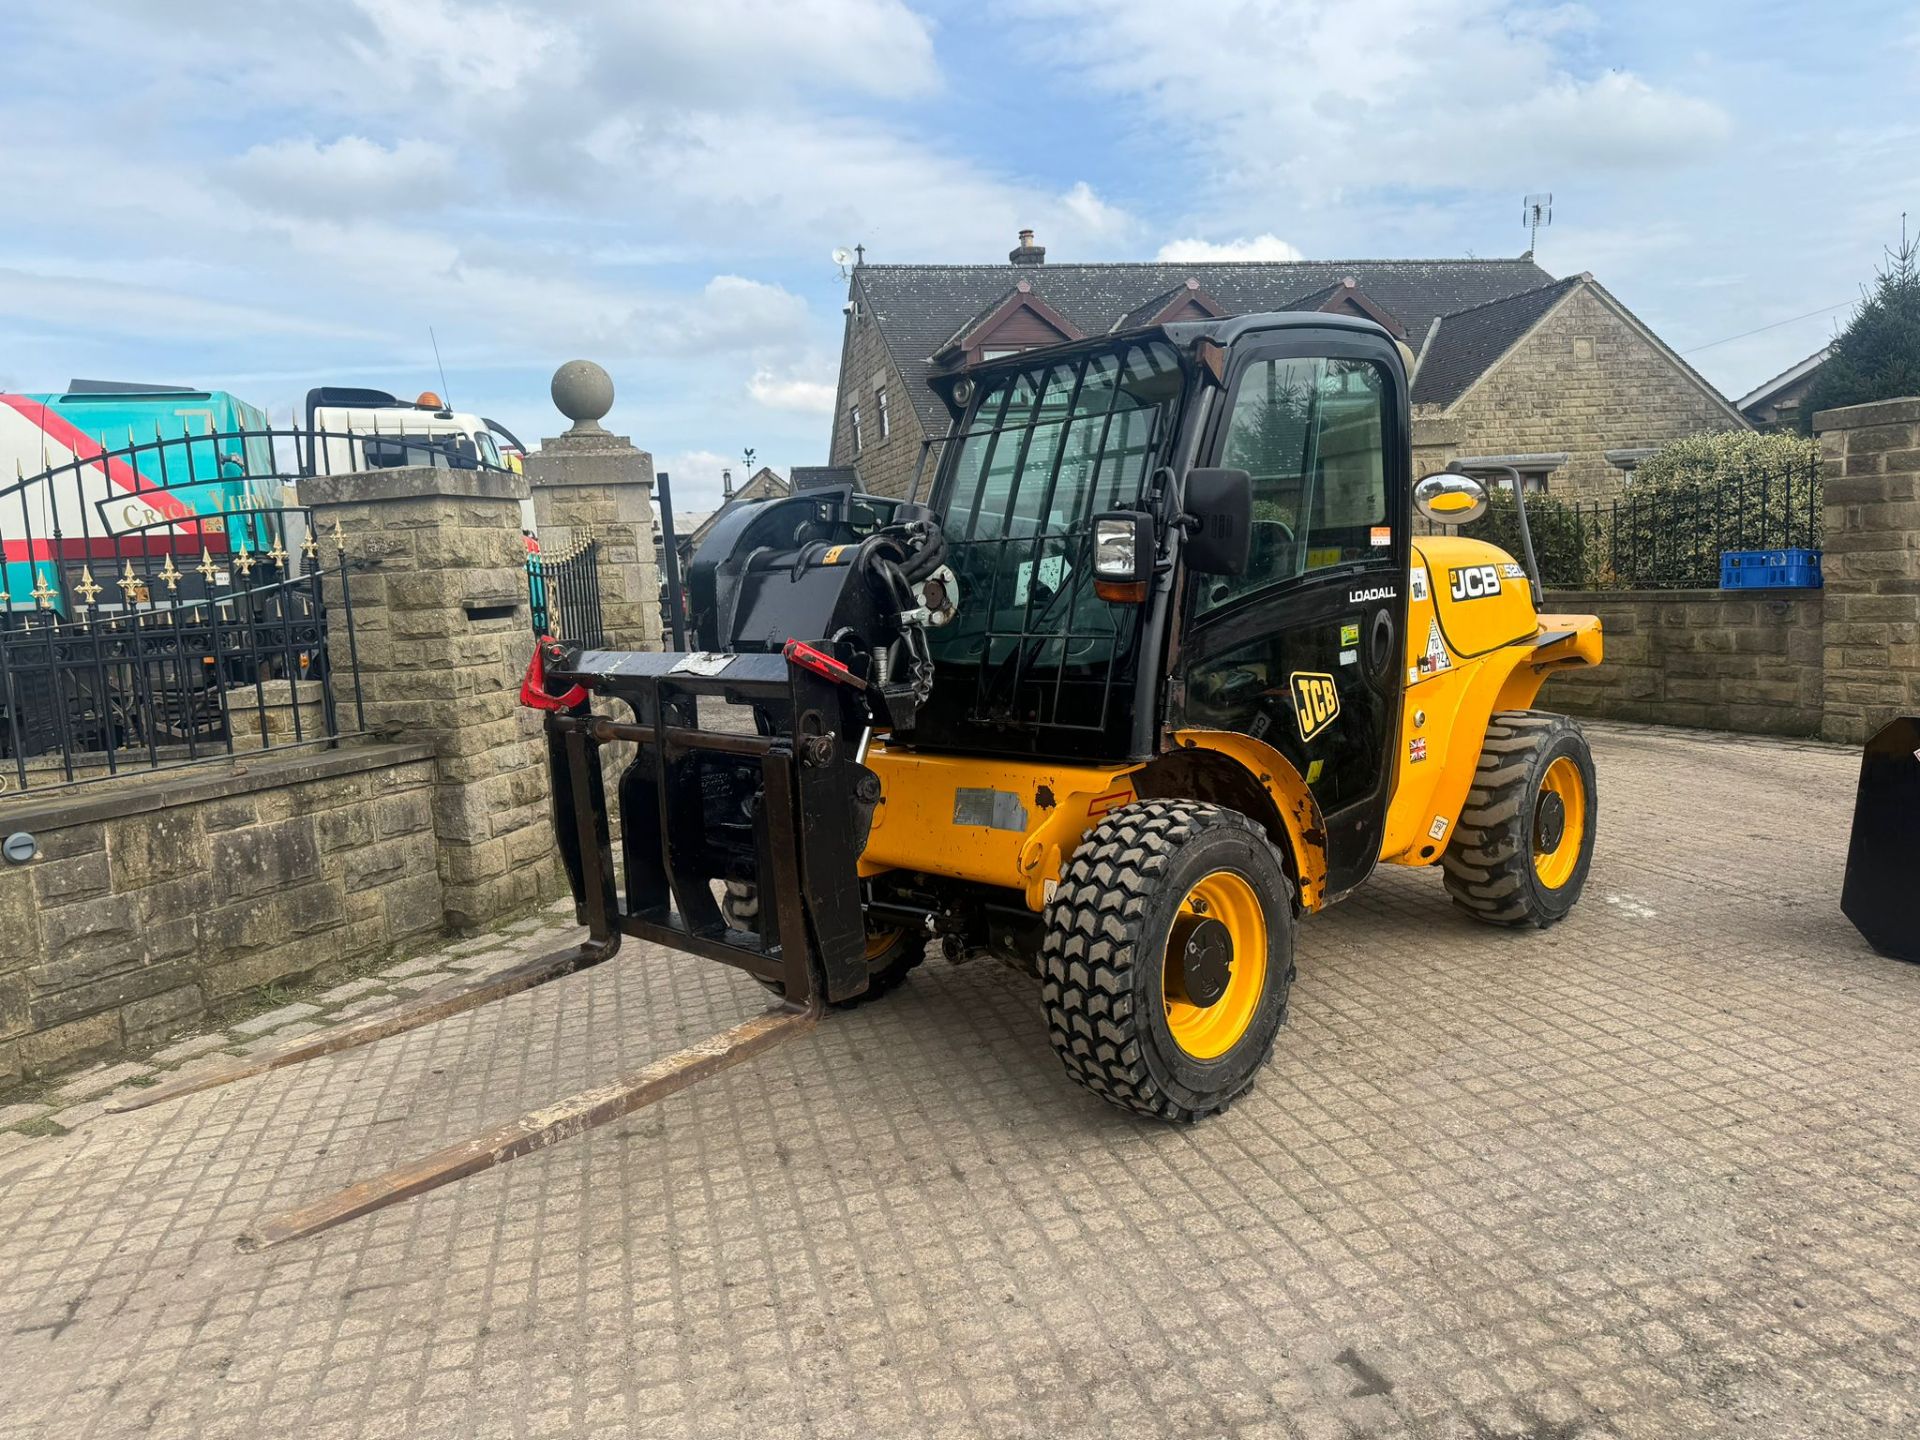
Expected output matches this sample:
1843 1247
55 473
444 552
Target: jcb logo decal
1475 582
1316 703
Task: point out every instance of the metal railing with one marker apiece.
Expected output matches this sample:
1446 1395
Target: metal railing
171 601
1667 538
563 592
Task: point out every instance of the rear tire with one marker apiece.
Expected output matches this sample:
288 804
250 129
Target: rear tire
1523 846
891 954
1168 958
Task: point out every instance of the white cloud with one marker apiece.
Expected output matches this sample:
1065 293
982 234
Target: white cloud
807 397
349 176
1305 104
1095 215
1261 247
719 53
465 49
803 183
112 307
732 313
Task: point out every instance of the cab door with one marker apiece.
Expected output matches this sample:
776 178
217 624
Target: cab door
1303 651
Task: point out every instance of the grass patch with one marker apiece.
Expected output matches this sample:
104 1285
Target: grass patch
40 1127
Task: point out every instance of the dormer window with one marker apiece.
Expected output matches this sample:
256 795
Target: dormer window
1018 321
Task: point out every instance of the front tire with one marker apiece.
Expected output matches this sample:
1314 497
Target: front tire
1168 958
1524 844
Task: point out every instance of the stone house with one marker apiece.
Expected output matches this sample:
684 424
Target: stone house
1563 383
1555 377
1778 404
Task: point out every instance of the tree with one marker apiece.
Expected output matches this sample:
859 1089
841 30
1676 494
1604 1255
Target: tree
1877 356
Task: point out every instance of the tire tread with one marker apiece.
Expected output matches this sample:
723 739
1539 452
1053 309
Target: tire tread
1091 945
1488 861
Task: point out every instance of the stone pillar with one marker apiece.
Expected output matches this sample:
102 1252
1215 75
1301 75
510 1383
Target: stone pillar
591 483
1871 566
436 570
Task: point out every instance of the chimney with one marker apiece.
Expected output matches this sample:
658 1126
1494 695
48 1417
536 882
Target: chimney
726 485
1027 253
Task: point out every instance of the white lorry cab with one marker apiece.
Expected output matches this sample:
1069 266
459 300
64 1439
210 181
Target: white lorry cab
352 429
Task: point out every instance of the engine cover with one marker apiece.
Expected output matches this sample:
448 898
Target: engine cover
1480 594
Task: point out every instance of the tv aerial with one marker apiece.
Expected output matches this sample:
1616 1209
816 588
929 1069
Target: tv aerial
842 257
1537 211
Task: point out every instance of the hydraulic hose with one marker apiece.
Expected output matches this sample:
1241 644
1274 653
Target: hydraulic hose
928 557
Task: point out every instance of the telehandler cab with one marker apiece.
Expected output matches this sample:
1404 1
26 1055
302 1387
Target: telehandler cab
1160 666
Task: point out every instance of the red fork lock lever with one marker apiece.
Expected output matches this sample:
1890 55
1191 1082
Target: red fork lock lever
808 657
533 688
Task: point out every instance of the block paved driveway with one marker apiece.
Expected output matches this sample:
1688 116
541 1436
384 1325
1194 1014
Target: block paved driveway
1651 1173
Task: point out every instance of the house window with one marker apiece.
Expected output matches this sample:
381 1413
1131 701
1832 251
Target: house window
1491 470
855 417
886 421
1534 482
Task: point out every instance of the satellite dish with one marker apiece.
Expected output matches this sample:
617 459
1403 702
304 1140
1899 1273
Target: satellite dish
842 255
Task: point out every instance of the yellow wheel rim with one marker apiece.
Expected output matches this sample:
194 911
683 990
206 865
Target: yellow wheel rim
1553 863
1208 1031
878 942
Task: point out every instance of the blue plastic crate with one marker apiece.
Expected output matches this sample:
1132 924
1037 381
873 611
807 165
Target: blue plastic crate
1770 570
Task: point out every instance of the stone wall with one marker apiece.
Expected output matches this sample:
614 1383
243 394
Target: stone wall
885 467
593 485
1871 464
1587 380
149 903
1714 659
437 572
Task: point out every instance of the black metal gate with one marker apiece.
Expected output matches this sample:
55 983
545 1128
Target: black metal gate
164 603
563 591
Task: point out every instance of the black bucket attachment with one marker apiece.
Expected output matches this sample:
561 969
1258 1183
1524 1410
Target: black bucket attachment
779 799
1881 895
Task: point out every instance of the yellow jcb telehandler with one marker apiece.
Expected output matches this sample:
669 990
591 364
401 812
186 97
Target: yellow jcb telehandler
1159 667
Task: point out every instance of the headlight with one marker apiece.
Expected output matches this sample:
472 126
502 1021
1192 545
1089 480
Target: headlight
1116 547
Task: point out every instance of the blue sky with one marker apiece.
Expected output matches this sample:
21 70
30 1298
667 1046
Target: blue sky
267 197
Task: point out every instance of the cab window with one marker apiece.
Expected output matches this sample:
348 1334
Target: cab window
1310 431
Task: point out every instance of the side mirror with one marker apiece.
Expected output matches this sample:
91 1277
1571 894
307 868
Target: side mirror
1220 516
1450 499
1123 552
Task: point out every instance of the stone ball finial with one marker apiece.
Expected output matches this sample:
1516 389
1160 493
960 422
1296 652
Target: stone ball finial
583 392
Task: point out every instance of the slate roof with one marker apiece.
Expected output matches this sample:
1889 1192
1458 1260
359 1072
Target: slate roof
1143 313
920 307
1471 340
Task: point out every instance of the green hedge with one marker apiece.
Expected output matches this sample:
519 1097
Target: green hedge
1686 503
